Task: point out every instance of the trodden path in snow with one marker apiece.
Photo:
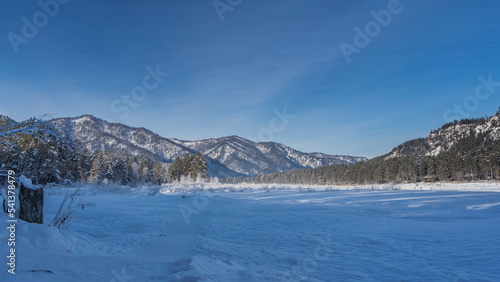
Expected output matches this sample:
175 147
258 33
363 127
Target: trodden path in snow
255 235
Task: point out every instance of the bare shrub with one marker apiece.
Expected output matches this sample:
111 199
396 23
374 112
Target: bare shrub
69 209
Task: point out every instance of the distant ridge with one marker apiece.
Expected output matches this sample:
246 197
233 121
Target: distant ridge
442 139
227 156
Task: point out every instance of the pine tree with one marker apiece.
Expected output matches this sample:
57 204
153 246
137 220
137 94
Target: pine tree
97 174
120 172
132 171
199 166
159 173
186 165
146 170
175 170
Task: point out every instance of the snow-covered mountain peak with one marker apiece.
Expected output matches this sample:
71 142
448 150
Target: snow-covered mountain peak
227 156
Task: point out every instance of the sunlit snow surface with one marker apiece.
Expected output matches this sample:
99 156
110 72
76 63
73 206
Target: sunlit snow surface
265 234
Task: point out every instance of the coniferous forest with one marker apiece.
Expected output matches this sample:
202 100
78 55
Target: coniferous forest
36 149
474 156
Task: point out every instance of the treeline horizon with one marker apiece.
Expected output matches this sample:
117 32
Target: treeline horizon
39 151
474 157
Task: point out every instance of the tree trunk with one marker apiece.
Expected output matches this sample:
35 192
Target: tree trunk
31 204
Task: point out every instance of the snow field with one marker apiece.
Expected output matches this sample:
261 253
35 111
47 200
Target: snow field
214 232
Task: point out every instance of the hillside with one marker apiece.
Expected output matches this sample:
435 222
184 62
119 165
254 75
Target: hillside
227 156
465 150
449 135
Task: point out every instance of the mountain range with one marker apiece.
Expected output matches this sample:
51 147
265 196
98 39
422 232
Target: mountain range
229 156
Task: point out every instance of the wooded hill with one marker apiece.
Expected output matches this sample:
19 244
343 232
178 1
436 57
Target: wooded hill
45 154
465 150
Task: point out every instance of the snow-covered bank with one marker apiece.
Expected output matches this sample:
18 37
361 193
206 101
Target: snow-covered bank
449 186
438 186
198 232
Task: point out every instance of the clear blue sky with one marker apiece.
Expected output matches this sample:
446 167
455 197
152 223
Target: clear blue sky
226 77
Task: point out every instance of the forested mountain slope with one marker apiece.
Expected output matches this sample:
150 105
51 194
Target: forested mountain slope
226 156
463 150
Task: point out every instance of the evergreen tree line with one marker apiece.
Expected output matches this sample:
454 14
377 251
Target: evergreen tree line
473 121
130 170
191 165
468 121
37 150
473 157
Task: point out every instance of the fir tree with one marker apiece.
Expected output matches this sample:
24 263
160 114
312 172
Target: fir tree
176 170
159 173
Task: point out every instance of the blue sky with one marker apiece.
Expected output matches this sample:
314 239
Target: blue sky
226 77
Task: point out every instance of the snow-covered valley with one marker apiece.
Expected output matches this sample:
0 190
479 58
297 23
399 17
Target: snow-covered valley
204 232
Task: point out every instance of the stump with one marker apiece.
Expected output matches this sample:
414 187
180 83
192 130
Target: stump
31 204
